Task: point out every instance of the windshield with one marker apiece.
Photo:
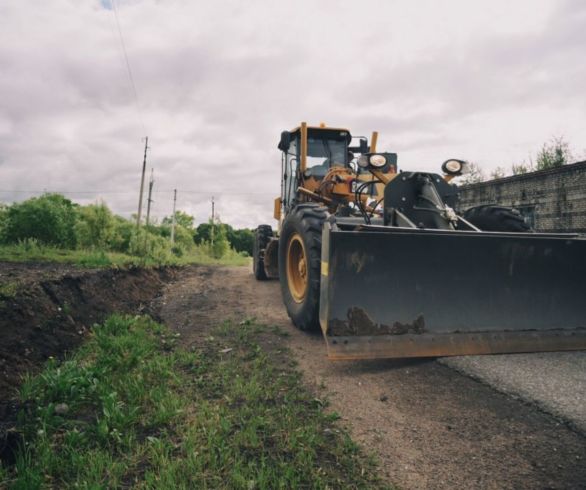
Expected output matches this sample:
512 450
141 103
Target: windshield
326 152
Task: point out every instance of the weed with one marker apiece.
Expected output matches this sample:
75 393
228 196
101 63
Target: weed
131 409
8 289
29 250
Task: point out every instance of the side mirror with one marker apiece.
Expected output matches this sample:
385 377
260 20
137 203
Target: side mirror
285 142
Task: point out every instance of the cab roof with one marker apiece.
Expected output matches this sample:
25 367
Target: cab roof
325 129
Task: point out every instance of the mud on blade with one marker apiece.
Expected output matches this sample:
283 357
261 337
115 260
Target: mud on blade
396 292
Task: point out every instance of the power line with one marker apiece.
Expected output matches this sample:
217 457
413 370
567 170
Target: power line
130 76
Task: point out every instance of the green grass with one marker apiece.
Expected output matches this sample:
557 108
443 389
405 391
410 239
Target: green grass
33 252
8 289
130 409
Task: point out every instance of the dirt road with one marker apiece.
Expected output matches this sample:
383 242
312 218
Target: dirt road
429 425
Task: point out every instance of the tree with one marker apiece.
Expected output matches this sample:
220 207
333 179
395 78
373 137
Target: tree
3 219
181 218
220 246
123 234
522 168
473 175
203 233
50 219
95 226
554 154
497 173
241 240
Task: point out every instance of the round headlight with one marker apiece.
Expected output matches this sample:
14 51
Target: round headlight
378 161
453 166
363 161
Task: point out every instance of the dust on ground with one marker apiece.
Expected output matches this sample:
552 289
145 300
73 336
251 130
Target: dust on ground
429 426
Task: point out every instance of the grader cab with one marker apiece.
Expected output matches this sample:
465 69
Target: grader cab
386 266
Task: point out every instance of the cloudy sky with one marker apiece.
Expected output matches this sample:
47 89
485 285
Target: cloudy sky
216 83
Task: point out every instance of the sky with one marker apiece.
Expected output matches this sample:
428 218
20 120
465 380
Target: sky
215 83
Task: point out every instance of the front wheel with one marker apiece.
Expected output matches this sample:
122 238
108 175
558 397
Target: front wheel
497 218
300 264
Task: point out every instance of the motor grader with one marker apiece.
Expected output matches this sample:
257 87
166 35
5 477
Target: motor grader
384 263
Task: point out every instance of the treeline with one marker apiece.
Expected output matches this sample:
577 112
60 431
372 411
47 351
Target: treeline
55 221
554 153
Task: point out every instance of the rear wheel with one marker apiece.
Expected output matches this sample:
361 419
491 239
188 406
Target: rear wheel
262 236
496 218
300 263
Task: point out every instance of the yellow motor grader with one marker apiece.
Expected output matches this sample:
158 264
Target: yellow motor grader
381 260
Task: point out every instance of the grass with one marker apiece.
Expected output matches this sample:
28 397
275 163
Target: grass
34 252
130 409
8 289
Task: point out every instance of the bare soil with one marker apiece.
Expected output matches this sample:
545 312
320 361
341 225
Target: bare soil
46 311
429 426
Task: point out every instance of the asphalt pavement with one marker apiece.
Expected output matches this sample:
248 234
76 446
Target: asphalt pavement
553 381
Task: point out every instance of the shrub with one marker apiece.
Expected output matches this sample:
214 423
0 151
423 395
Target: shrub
184 238
220 245
240 240
49 219
95 226
149 246
554 154
122 235
3 219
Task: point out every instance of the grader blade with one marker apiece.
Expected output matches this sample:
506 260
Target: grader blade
396 292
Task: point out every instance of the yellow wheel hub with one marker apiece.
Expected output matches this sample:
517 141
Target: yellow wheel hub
297 277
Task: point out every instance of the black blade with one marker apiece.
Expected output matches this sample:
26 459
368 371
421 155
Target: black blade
412 284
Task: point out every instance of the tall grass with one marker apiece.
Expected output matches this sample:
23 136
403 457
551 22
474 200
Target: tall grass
30 250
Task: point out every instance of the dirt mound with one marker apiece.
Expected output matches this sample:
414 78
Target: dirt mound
50 316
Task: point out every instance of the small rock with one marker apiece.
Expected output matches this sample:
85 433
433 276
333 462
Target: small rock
383 398
61 408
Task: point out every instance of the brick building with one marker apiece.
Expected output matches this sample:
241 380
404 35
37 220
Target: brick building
551 200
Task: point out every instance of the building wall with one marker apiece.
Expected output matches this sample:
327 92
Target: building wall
551 200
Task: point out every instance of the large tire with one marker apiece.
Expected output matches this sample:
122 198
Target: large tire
497 218
300 264
262 236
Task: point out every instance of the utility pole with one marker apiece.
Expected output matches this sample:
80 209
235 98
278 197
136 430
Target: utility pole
173 219
146 146
149 200
213 222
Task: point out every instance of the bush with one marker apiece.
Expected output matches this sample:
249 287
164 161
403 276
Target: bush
184 238
122 235
95 226
49 219
241 240
150 246
554 154
220 246
3 219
